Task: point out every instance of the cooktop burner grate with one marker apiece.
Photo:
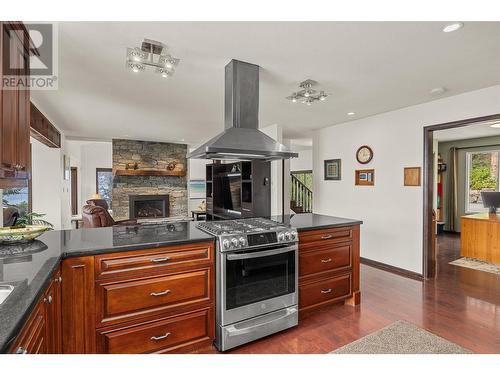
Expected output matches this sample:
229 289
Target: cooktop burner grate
252 225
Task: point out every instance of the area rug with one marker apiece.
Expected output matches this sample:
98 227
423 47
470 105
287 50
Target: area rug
477 264
401 338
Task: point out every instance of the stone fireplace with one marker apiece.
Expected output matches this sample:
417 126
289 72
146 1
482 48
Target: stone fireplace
148 206
149 156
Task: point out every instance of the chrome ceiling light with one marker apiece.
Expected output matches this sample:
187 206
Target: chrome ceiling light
307 95
153 54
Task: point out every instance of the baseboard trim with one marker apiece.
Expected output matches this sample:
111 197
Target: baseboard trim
392 269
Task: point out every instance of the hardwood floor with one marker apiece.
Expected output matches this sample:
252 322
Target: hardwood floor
461 305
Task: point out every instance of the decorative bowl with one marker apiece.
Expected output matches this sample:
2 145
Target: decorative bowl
21 234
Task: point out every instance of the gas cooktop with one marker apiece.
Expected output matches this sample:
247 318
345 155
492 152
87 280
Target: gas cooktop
254 225
240 234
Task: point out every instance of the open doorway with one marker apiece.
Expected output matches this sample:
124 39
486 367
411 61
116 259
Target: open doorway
461 161
301 176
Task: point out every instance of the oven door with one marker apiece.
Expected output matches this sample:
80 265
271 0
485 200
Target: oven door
257 282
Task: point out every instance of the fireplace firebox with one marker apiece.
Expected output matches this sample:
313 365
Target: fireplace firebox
148 206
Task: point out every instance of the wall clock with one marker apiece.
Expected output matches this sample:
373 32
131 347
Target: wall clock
364 154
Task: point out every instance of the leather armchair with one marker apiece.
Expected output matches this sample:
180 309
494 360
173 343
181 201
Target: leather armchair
94 216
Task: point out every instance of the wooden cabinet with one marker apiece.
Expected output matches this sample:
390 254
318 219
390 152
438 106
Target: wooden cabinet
78 311
42 129
15 47
155 300
177 333
41 333
143 301
328 267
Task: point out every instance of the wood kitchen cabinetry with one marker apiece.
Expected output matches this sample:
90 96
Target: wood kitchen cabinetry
328 267
42 332
15 49
142 301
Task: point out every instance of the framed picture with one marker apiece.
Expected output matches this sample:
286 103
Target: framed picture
333 169
197 189
412 176
365 177
67 167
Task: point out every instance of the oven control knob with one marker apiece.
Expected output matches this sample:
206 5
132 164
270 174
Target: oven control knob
293 234
225 244
287 236
234 242
242 241
281 237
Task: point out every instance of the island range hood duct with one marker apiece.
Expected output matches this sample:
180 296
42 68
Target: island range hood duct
241 139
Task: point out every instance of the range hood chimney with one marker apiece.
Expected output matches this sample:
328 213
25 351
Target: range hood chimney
242 139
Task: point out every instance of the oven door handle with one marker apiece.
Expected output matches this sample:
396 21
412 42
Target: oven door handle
260 254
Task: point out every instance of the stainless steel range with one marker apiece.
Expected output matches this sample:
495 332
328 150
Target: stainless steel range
257 279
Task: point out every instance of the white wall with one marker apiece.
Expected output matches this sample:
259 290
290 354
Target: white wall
392 214
47 185
304 162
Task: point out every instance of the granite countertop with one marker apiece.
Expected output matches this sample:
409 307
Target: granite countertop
28 267
315 221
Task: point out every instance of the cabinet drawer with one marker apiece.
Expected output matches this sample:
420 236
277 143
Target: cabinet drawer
159 260
160 336
329 234
324 291
118 301
33 338
325 259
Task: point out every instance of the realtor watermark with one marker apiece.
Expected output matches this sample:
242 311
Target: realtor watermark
32 65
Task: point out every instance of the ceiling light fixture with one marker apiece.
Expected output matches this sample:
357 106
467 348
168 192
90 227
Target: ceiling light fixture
307 95
453 27
153 54
350 113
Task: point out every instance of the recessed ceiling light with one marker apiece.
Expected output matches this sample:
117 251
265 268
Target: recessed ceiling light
496 125
453 27
350 113
438 91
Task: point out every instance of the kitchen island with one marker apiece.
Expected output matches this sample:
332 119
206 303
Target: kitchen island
102 276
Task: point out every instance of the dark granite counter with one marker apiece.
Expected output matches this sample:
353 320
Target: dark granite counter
28 267
315 221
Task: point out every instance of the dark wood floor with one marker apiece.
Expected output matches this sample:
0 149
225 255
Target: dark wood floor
461 305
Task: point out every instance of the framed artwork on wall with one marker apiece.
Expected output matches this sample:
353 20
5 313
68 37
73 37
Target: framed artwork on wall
365 177
412 176
333 169
197 189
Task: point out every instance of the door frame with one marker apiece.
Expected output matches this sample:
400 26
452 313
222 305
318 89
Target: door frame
74 190
429 258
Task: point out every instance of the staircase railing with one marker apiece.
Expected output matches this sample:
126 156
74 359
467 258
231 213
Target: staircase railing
301 197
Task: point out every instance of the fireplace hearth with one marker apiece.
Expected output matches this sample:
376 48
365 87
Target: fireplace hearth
148 206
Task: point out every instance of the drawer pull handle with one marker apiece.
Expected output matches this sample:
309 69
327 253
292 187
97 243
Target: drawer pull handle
326 260
157 294
158 338
326 291
159 260
326 236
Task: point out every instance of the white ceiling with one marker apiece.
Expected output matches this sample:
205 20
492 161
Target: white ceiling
478 130
368 67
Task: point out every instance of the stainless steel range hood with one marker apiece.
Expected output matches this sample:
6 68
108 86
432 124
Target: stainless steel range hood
241 139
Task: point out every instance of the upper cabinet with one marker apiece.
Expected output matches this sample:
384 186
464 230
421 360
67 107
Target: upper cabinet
15 47
43 130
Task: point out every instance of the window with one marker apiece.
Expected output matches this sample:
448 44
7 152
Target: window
104 183
482 175
17 200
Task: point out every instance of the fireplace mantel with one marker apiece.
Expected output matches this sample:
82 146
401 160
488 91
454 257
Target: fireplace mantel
149 172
